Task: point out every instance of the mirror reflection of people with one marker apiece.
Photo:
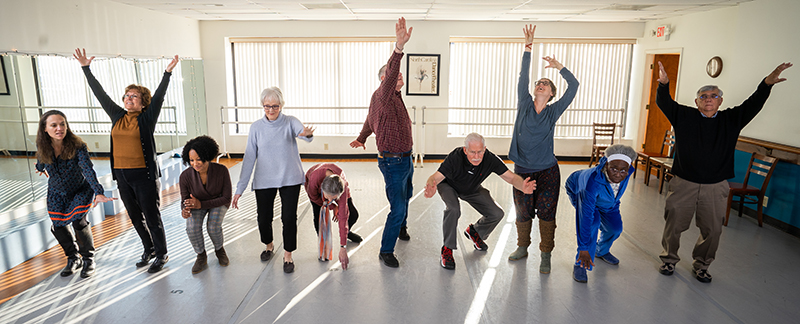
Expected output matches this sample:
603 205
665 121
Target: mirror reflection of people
133 157
705 142
272 157
459 177
532 152
205 191
595 193
72 190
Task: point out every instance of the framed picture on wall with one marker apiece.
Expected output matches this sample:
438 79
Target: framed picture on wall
422 74
3 78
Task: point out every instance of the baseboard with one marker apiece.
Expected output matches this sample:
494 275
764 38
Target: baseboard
779 224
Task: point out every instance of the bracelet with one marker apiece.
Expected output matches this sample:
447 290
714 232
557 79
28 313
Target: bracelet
528 46
397 48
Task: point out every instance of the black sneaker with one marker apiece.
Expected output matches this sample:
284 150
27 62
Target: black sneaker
472 234
702 275
88 268
146 257
355 238
667 268
404 234
447 258
158 264
389 259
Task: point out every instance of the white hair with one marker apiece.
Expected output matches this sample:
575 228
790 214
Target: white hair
474 137
621 149
272 92
709 87
332 185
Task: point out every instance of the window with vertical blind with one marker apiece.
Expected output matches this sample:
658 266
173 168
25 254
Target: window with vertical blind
63 86
484 77
338 77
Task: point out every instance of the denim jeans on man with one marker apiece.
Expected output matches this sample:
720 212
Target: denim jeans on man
397 173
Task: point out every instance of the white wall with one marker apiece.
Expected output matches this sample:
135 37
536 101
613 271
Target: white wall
752 39
430 37
102 27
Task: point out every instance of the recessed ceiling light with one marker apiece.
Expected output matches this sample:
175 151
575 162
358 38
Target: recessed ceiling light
214 5
312 6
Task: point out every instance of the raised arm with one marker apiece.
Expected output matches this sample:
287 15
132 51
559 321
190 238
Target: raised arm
523 93
527 186
663 99
433 181
158 96
572 85
106 102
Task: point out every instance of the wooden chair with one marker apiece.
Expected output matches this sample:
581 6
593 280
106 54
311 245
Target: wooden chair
664 157
664 172
644 157
743 190
604 133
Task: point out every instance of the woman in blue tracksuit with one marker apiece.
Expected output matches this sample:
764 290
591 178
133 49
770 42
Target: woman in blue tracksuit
595 194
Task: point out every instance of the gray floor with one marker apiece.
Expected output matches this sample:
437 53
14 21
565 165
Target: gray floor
755 275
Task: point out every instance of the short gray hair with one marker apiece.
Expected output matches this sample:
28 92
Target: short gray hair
272 92
709 87
333 185
622 149
381 71
474 137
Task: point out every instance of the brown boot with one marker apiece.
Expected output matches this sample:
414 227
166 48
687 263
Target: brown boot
523 240
547 231
200 264
222 257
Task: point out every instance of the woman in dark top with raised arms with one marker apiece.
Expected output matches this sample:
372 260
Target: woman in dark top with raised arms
72 189
205 190
133 157
532 152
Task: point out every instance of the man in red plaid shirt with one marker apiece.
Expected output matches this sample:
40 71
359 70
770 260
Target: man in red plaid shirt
390 122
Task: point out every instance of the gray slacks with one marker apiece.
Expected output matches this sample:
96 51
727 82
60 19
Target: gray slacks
482 202
707 202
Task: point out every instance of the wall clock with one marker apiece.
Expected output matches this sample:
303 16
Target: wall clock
714 67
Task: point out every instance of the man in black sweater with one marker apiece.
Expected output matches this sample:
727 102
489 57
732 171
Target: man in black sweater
705 141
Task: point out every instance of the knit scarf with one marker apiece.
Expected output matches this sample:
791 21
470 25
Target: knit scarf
324 237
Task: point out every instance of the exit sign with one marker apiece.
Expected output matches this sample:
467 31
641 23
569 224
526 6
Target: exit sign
662 31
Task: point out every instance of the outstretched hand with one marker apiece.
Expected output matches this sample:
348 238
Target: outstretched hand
528 186
553 63
172 64
662 74
40 173
528 31
774 77
357 144
80 55
101 199
585 260
402 33
308 131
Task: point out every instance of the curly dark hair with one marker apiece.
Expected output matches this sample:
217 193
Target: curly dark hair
206 148
44 147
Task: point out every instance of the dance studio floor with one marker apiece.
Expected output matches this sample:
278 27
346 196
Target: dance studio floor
755 274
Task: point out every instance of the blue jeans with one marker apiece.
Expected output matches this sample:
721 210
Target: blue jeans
397 173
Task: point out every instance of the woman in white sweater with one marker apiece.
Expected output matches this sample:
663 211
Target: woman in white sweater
272 152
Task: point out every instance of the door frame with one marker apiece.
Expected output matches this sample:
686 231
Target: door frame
649 58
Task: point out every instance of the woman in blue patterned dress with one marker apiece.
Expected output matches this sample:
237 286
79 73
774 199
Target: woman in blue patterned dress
72 189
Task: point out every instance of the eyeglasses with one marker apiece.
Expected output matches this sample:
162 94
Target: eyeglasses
130 96
272 107
542 82
712 96
616 171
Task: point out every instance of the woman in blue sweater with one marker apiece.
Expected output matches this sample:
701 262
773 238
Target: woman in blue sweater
595 193
72 189
272 151
532 152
